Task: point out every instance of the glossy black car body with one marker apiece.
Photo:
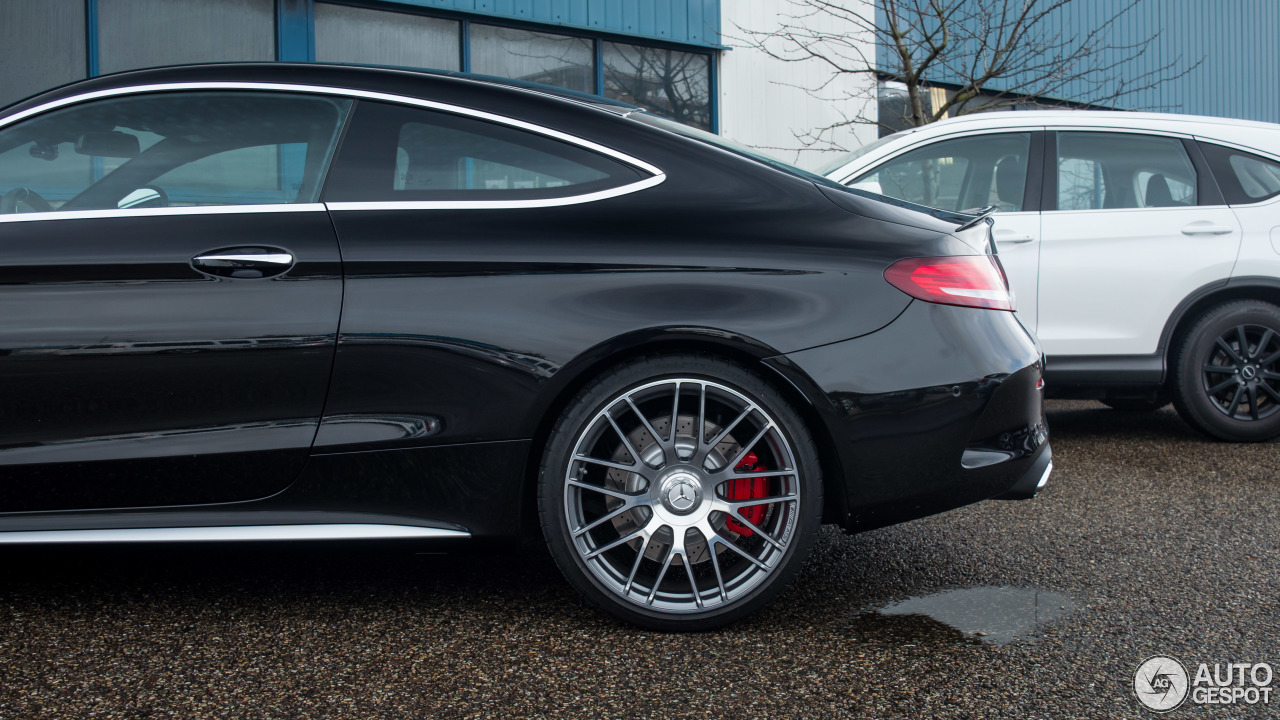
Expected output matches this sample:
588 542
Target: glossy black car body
403 375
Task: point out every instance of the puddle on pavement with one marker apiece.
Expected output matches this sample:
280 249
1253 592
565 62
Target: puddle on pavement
987 615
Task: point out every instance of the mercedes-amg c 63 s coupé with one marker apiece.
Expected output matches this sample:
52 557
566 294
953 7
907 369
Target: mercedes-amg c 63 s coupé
285 302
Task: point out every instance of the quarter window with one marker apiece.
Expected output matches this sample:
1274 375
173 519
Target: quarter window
170 149
1098 171
969 172
403 153
1243 177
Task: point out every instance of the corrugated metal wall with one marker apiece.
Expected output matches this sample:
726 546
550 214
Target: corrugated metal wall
693 22
1237 42
764 102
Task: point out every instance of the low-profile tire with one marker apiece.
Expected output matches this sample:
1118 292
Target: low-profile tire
638 515
1227 372
1136 404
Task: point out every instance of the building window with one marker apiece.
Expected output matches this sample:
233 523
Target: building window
374 37
44 42
559 60
148 33
670 83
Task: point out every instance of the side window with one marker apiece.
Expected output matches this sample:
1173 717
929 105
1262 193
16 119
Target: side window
1243 177
395 152
957 174
1119 170
170 150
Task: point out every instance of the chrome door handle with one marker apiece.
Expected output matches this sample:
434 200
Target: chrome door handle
244 262
1206 228
243 259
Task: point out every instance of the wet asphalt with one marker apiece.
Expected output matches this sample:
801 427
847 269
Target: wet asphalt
1148 540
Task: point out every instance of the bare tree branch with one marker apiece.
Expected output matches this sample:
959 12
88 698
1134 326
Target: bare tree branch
986 54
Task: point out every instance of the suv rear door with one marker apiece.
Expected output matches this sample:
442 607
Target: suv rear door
1133 223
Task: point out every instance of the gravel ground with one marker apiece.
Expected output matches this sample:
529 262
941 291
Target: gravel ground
1161 541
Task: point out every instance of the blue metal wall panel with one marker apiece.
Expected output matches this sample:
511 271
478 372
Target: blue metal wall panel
1235 43
295 31
688 22
91 39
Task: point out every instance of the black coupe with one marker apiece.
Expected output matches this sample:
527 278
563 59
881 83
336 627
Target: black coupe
254 302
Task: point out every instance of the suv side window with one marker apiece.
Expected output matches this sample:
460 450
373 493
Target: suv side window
170 150
1121 170
402 153
957 174
1243 177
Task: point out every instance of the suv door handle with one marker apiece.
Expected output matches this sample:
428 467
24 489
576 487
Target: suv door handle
244 262
1205 227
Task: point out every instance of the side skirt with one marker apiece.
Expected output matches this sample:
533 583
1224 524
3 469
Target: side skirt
146 527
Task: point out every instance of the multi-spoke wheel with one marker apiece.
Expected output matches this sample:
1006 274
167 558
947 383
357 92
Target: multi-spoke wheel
1227 375
680 492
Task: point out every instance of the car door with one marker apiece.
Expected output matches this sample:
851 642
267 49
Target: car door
445 221
171 290
1000 169
1132 225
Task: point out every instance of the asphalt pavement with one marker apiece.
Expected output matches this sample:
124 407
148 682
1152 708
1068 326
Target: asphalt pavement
1149 540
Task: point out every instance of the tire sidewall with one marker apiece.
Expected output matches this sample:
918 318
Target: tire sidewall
597 395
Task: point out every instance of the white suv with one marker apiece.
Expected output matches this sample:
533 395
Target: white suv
1144 248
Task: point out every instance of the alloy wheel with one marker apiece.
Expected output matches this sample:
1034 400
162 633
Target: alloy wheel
1240 374
681 495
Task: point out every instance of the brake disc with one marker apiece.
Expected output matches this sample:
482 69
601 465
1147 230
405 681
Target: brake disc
651 454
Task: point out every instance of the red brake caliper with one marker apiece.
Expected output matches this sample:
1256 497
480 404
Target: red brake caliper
748 488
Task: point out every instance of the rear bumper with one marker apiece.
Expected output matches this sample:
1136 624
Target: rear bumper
940 409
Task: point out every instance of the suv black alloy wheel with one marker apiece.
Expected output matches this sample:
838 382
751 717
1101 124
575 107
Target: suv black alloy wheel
1227 372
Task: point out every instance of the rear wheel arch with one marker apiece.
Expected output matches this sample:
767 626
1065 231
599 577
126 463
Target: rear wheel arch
1203 301
747 352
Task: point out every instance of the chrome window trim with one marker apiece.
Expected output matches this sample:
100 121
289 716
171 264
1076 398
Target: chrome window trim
657 175
151 212
335 531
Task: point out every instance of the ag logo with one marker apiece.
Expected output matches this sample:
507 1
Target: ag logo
1161 683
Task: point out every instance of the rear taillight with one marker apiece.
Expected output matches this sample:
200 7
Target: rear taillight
965 280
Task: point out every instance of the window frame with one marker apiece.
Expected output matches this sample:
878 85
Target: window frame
655 175
374 133
1207 192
